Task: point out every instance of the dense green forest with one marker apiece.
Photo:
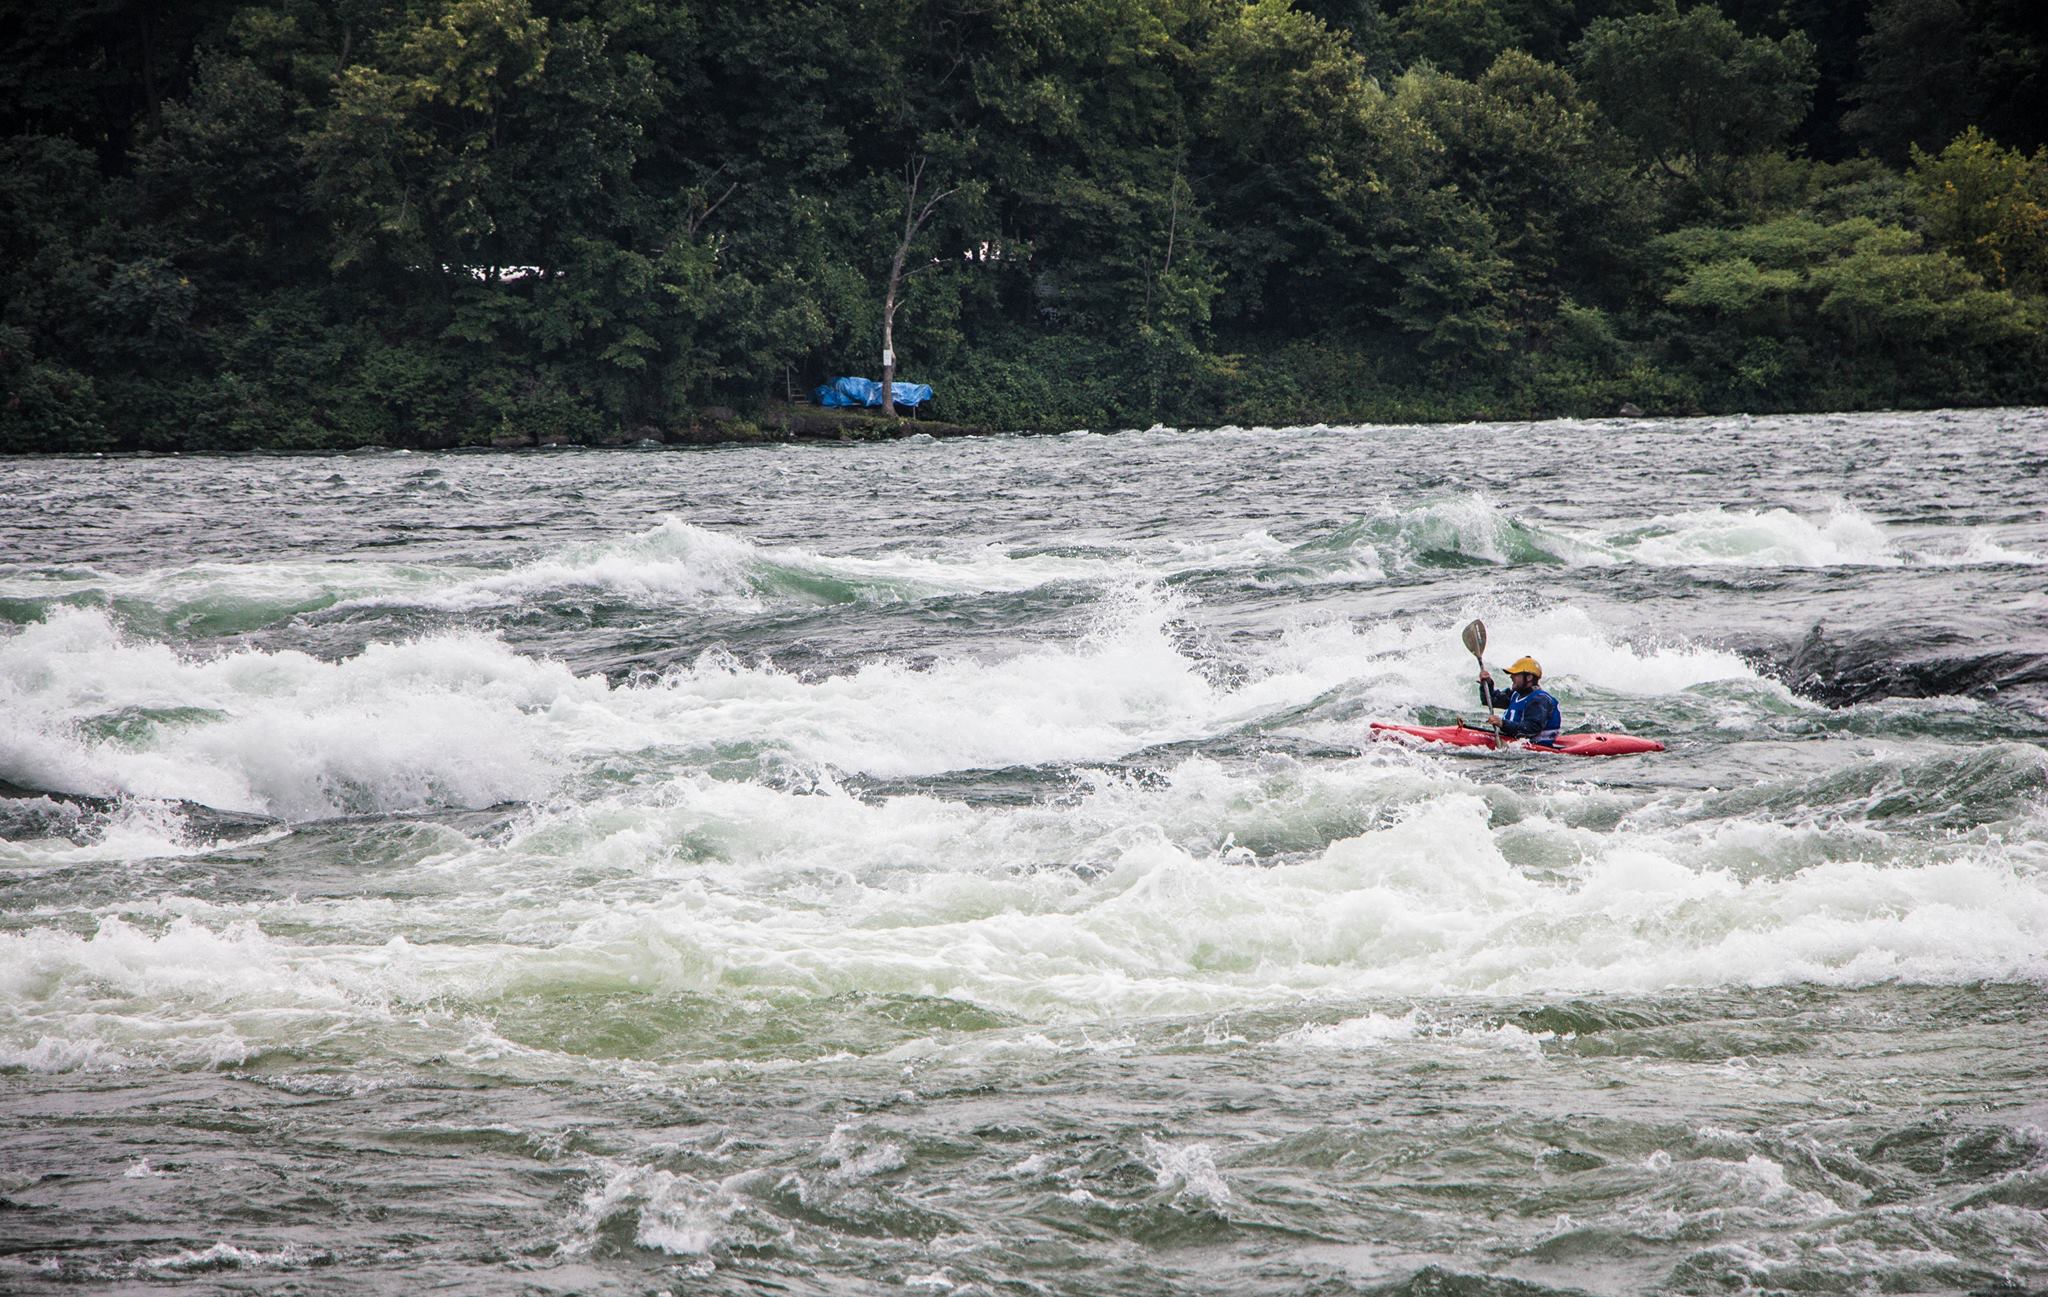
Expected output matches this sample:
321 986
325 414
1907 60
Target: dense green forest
335 223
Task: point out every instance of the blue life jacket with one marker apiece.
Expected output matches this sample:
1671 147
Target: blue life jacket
1534 715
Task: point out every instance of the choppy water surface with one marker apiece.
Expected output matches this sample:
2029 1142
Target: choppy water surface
964 867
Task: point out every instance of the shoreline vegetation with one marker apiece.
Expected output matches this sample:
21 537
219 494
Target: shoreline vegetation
335 224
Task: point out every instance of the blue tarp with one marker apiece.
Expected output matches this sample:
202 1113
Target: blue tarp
843 393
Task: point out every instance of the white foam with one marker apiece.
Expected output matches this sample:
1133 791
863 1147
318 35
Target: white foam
1383 875
1391 538
135 829
1128 899
1394 537
95 1002
672 561
852 1157
1975 550
461 719
452 719
1844 537
56 1054
1187 1169
669 562
1122 687
680 562
1424 905
1367 1032
195 592
1416 662
227 1256
673 1212
1373 1031
1755 1187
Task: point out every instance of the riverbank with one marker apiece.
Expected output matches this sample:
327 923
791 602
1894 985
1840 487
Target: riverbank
779 422
1035 389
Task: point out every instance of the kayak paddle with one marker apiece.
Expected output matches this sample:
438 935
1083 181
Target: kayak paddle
1474 636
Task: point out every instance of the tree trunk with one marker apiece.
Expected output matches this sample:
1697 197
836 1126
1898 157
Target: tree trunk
889 330
914 218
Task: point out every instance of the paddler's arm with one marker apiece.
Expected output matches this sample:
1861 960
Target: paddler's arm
1487 696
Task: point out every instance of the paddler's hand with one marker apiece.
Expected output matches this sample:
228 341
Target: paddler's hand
1485 676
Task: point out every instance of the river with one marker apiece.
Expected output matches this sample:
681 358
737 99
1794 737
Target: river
965 867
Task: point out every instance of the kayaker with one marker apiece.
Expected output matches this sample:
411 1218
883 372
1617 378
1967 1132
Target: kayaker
1527 712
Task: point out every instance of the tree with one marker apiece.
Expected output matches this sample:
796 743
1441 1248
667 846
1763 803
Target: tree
1691 90
1366 23
1793 312
223 186
918 207
1457 36
1523 144
1835 29
99 71
1929 69
52 218
1085 137
340 222
405 161
1293 168
1987 205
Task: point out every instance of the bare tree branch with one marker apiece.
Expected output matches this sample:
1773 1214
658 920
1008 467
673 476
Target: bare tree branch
914 218
697 219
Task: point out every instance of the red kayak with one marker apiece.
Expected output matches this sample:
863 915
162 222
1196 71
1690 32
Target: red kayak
1468 736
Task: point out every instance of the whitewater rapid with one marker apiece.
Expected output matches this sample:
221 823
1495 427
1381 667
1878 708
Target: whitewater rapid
808 803
715 800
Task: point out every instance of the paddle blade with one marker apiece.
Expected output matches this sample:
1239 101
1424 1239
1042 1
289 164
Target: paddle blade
1475 639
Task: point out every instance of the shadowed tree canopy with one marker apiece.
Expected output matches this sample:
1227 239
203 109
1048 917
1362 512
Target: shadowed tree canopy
1691 90
1931 69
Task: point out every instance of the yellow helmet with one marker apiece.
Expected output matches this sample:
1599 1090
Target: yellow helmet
1525 665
